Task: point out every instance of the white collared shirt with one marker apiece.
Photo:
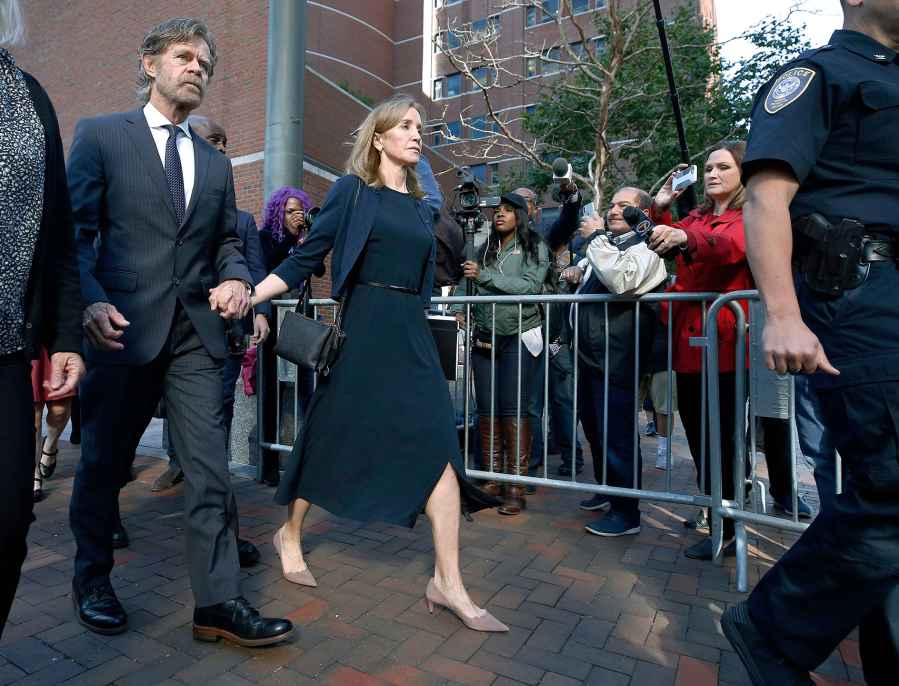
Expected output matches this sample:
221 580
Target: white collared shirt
157 121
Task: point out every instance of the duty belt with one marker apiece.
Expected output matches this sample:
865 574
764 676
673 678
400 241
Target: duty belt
834 257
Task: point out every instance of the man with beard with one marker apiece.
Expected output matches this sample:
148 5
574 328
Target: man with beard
161 270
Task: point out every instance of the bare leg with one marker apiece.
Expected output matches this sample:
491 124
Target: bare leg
443 510
291 536
58 413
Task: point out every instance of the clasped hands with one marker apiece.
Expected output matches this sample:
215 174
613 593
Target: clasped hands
231 299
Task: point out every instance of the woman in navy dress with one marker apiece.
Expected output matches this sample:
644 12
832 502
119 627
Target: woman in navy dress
379 441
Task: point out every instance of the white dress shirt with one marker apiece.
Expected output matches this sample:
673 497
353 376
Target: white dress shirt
157 121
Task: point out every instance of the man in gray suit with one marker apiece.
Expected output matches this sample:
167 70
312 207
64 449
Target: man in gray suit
161 270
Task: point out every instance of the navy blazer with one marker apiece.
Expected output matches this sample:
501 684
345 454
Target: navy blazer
252 253
131 250
344 225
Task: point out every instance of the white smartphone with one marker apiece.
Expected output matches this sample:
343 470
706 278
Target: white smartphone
588 210
684 178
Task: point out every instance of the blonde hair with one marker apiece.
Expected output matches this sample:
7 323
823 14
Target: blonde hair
365 160
737 150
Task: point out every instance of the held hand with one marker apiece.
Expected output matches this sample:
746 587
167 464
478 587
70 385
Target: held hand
590 225
790 346
460 319
260 330
103 326
230 299
67 369
666 238
573 275
666 196
471 270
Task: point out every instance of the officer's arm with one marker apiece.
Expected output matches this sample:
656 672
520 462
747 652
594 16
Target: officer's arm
789 345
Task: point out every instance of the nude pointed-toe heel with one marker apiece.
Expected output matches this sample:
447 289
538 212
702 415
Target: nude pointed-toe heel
303 578
484 622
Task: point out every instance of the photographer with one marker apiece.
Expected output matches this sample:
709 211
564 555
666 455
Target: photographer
606 269
513 261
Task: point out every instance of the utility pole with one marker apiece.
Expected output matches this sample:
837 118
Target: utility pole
284 95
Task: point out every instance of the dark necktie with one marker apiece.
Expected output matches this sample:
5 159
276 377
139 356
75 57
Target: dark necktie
173 175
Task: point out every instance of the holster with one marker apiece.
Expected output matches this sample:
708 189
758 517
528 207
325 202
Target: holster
831 258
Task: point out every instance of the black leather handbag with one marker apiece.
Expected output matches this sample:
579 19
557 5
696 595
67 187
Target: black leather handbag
308 342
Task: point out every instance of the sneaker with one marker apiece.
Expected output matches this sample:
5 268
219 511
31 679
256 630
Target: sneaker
650 428
596 503
704 550
613 524
699 522
764 664
786 506
662 460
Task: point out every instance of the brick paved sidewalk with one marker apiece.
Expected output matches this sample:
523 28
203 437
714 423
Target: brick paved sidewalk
582 609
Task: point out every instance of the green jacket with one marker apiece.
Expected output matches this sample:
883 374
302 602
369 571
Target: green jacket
509 275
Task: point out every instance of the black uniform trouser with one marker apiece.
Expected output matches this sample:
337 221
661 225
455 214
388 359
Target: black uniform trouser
844 570
16 501
117 404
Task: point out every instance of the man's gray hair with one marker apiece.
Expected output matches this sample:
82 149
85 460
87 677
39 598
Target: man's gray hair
161 37
12 23
644 199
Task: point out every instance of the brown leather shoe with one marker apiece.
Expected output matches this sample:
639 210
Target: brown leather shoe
516 432
491 452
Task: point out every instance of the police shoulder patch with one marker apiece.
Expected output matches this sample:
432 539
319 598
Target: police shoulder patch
788 88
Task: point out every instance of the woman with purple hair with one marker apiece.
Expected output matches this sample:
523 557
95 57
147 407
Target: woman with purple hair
283 225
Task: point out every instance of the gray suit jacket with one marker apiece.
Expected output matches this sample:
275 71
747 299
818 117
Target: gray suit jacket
132 253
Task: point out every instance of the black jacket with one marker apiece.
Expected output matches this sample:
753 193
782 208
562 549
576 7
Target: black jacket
53 299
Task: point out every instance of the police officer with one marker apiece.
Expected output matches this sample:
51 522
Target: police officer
823 157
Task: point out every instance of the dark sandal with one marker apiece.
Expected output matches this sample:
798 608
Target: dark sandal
47 469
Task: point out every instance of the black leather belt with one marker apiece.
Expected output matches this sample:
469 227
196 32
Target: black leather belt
390 287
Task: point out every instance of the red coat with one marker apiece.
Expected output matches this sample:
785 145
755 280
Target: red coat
715 261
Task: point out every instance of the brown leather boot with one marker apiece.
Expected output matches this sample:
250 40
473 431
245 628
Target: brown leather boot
491 454
516 432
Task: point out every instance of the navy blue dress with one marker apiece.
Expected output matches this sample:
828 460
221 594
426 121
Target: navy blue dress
381 427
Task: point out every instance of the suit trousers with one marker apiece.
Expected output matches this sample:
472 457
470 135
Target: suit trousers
117 404
16 501
843 572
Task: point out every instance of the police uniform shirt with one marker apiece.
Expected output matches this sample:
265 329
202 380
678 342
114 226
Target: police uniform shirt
832 117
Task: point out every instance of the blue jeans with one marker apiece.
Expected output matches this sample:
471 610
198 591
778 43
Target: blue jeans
561 407
620 438
815 440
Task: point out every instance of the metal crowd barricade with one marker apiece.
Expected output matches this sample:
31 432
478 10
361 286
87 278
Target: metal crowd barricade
464 392
771 395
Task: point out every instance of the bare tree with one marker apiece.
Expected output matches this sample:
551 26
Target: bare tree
477 57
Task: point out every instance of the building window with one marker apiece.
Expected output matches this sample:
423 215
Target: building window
481 128
454 129
600 4
578 49
485 76
438 89
532 67
452 85
599 45
550 10
493 173
479 171
578 6
438 138
446 40
552 67
530 17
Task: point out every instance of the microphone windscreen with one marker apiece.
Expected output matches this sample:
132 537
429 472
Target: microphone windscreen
560 167
632 216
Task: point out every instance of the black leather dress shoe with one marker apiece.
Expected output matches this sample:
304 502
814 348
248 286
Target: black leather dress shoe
248 553
765 665
120 537
703 549
98 609
237 621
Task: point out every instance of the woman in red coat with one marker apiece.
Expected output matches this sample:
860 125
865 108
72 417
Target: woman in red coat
711 257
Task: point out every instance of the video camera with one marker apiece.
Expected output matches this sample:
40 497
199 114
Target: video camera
467 206
310 215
